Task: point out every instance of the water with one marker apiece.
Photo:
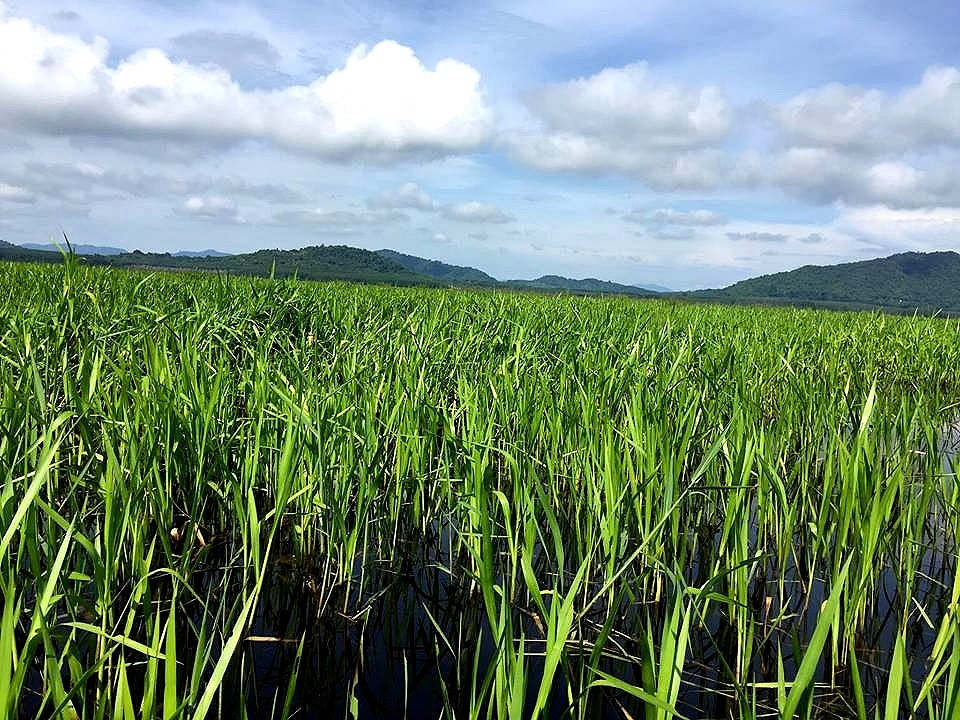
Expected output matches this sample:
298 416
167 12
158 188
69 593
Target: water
413 638
397 661
415 641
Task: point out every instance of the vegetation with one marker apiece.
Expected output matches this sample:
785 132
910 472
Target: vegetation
450 274
328 262
587 286
250 498
907 282
904 284
324 262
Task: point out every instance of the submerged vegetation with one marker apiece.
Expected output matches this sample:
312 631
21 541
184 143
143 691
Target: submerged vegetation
234 497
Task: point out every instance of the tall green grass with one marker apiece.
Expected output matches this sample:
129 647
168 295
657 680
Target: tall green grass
588 506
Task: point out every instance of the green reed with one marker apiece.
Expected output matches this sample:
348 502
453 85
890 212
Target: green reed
620 507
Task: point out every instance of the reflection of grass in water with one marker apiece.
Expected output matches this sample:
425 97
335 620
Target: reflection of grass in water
950 439
233 497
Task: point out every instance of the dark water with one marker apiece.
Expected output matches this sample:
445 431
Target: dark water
410 653
410 649
413 638
393 662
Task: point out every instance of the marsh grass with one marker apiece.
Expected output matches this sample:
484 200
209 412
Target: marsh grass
246 498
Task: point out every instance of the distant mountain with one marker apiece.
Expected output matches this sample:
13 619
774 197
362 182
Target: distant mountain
78 249
107 250
589 286
656 288
200 253
907 282
453 274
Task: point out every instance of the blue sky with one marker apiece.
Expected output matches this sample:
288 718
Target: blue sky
684 144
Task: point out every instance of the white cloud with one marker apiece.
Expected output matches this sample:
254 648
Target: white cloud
15 193
85 181
758 237
411 196
408 195
900 229
859 120
758 247
702 170
824 176
476 212
862 146
338 218
669 216
214 207
381 105
628 105
670 233
624 120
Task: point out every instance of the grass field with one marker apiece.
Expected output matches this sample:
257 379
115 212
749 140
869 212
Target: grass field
246 498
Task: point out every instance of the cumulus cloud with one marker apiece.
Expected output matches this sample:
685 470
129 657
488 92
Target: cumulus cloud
624 120
869 121
215 207
822 175
78 189
409 195
382 104
669 216
898 229
627 104
440 238
476 212
863 146
702 170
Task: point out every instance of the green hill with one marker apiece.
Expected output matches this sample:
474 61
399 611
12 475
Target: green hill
907 282
324 262
588 286
15 253
331 262
452 274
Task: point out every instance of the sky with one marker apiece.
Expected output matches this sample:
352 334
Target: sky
688 145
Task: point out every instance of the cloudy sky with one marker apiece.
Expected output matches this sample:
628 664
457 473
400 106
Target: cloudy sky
684 144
